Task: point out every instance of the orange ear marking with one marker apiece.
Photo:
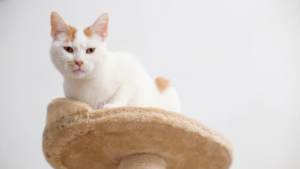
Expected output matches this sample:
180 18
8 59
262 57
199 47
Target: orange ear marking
59 26
88 32
162 84
100 26
70 34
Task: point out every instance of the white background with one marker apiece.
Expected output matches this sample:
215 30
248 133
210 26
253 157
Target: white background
235 65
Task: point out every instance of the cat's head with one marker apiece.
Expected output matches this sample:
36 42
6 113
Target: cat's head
76 52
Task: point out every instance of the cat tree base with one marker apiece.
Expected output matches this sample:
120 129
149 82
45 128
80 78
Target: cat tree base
142 161
76 137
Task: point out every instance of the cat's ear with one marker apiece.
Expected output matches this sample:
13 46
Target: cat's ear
100 26
58 25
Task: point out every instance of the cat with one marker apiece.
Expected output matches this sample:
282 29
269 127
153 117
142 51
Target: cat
100 78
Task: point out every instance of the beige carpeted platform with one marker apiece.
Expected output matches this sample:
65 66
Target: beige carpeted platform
78 137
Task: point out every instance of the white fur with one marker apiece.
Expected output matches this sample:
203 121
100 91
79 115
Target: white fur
109 79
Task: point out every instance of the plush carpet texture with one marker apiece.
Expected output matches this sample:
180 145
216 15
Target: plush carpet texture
77 137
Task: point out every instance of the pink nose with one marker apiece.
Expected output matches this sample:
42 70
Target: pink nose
79 63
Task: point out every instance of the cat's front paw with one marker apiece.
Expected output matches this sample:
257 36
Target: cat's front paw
109 106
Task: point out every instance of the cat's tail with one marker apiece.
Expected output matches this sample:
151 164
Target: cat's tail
162 84
169 97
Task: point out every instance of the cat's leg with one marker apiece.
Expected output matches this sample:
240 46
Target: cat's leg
121 96
99 105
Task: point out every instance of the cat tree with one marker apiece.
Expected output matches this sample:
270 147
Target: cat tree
78 137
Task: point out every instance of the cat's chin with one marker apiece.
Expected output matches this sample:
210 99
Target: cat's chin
78 74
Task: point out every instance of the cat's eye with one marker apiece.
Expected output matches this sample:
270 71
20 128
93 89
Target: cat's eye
68 49
90 50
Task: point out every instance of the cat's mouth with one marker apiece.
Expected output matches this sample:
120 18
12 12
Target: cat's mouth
78 73
78 70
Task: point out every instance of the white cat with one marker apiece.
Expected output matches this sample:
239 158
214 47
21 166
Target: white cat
100 78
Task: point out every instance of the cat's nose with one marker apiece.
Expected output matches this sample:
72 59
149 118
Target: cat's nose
79 63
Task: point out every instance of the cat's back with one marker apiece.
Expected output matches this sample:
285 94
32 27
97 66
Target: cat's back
124 64
124 59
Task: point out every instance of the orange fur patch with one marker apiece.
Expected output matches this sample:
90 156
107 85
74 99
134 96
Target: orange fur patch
162 83
88 32
71 34
71 63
